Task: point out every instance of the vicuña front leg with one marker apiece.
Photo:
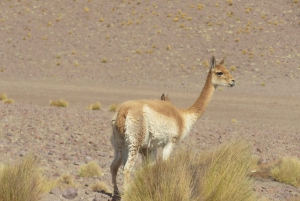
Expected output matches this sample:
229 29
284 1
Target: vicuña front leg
167 150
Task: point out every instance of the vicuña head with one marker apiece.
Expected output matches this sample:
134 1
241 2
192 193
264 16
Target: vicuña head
142 126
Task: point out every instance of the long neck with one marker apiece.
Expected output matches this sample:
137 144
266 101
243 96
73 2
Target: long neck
202 101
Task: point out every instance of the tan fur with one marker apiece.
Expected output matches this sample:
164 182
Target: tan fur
141 126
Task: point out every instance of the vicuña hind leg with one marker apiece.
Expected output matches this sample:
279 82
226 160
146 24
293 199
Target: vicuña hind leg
128 164
114 170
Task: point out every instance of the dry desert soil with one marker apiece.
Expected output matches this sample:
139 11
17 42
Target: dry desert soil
86 51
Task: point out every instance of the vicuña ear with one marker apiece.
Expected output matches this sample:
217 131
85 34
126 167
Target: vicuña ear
222 62
212 63
163 97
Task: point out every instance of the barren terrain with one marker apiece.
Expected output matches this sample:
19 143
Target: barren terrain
113 51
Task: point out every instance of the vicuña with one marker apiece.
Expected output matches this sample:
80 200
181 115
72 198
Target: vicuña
142 126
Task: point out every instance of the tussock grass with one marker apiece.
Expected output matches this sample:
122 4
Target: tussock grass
65 181
95 106
221 174
3 96
113 107
8 101
100 186
23 181
90 169
59 103
287 171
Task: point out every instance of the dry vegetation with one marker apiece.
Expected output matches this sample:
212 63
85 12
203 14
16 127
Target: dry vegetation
65 181
215 175
3 96
90 169
8 101
59 103
100 186
5 99
23 181
287 171
95 106
113 107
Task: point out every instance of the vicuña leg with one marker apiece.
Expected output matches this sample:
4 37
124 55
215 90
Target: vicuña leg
148 155
129 162
167 150
114 170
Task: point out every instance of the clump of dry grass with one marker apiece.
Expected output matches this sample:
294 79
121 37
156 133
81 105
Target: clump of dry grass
221 174
59 103
23 181
65 181
3 96
95 106
90 169
232 68
113 107
8 101
100 186
287 171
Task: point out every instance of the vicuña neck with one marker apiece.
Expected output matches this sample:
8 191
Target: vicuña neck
202 101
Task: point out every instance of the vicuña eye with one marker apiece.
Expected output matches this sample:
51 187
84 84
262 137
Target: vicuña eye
219 73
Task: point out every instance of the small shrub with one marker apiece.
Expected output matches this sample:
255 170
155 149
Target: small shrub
104 60
233 68
113 107
287 171
221 174
90 169
59 103
8 101
3 97
206 64
95 106
65 181
23 181
100 186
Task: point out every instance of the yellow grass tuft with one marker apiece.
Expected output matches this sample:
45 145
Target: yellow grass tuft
263 84
200 6
59 103
90 169
8 101
206 64
287 171
113 107
230 3
175 19
234 121
221 174
65 181
95 106
104 60
23 181
100 186
86 9
248 10
3 96
232 68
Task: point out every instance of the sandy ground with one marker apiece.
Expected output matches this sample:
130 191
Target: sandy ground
108 51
